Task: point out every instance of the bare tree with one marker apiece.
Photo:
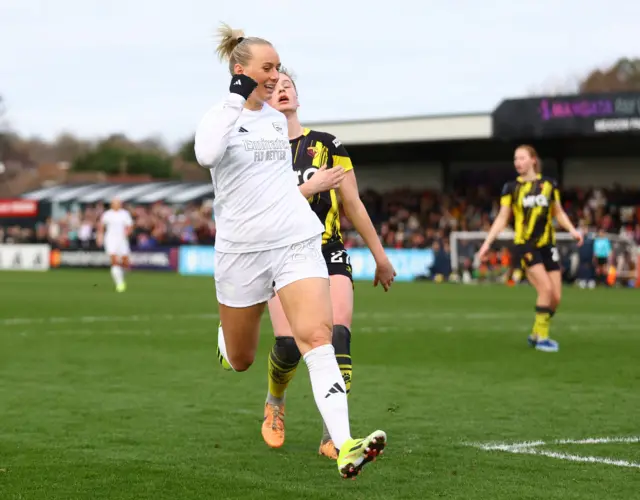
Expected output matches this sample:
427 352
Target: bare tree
68 147
623 75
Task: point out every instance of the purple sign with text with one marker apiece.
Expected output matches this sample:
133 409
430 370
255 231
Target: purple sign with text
552 109
577 115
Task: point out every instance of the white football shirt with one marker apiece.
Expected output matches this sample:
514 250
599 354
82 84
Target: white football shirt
257 204
116 223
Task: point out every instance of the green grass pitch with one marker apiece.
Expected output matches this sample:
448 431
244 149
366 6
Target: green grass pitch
119 396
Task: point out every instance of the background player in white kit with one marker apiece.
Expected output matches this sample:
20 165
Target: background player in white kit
118 224
268 238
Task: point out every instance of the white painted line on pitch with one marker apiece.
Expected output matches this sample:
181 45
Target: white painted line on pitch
138 317
575 458
535 448
169 317
597 322
433 328
605 440
146 333
532 444
104 319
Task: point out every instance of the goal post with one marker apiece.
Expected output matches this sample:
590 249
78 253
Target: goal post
465 244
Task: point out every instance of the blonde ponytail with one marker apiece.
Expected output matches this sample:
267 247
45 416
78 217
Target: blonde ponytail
234 47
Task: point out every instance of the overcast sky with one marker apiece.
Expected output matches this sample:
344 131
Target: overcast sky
147 67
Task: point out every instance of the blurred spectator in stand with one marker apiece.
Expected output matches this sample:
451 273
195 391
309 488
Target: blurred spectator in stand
85 233
405 218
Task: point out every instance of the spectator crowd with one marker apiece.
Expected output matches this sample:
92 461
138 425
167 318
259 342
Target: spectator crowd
403 218
157 225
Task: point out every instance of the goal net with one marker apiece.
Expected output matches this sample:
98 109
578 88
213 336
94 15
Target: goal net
624 263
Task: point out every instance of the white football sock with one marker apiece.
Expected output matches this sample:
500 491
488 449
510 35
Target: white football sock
329 392
117 274
223 347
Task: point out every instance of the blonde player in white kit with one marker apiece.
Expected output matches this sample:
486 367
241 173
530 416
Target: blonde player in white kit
118 224
268 238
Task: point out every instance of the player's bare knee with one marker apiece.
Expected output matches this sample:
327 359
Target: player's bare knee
321 335
314 336
241 361
545 291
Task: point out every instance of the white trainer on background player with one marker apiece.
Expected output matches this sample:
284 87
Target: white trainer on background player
113 232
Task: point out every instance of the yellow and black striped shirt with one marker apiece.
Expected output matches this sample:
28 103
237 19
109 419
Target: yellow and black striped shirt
532 205
310 151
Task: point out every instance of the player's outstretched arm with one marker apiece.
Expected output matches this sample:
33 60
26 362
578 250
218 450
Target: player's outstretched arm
566 224
496 228
214 131
359 217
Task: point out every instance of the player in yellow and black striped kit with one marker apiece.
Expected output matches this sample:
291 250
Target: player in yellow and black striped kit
311 152
534 200
324 171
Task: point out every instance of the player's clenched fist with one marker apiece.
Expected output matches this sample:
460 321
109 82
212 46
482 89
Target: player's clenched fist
242 85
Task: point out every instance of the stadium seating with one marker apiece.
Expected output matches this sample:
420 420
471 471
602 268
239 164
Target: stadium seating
403 218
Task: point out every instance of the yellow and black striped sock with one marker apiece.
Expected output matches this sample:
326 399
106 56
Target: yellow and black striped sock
283 361
541 323
342 346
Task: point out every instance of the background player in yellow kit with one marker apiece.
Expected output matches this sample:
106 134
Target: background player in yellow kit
534 200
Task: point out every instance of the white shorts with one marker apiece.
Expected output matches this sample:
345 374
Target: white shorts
246 279
119 247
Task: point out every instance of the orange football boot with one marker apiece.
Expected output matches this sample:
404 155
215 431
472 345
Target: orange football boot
273 425
328 449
